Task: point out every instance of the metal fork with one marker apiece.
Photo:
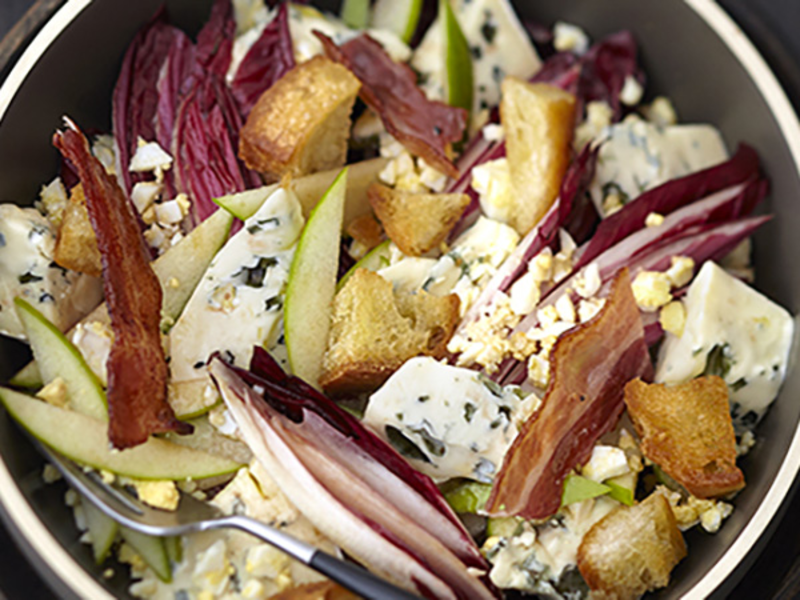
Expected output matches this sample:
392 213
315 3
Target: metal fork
193 515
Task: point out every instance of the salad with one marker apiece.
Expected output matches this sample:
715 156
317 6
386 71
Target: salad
429 287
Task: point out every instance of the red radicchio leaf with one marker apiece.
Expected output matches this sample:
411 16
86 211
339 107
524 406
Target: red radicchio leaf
204 147
666 198
137 404
135 99
314 447
590 366
390 89
268 60
606 66
215 40
291 396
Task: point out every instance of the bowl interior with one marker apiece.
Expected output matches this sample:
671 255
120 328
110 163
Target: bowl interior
76 74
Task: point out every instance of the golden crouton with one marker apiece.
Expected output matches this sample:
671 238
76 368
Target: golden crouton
375 330
366 231
300 125
538 120
415 222
631 550
686 430
76 244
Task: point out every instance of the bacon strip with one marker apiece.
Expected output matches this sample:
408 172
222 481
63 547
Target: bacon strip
137 370
590 366
390 89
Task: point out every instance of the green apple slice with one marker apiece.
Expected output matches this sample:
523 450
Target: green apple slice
355 13
312 284
56 357
457 59
152 550
174 549
189 398
375 259
85 440
398 16
102 529
309 189
577 489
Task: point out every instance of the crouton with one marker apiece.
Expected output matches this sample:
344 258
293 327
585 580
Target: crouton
631 550
366 231
538 120
375 330
76 244
687 430
416 222
300 125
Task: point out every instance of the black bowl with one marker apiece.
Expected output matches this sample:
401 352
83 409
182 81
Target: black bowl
691 51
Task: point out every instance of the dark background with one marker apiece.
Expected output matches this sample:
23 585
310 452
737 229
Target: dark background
774 27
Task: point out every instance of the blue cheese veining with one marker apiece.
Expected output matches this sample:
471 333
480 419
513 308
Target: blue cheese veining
239 301
448 421
735 332
27 243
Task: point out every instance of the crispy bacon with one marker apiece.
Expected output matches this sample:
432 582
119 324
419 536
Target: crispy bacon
137 369
590 366
390 89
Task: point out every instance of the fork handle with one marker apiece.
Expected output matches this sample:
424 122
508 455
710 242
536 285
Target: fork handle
357 579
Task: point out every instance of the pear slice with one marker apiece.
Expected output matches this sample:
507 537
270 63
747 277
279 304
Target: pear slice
309 189
85 440
102 529
457 59
398 16
57 357
312 284
152 550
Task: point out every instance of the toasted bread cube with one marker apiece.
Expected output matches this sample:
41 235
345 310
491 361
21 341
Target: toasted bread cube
321 590
76 243
538 120
375 330
687 430
301 124
366 231
631 550
416 222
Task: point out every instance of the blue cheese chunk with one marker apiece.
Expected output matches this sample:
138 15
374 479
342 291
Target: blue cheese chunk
239 301
27 270
637 156
448 421
733 331
500 46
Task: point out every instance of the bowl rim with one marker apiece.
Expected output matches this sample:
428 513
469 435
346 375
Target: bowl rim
35 539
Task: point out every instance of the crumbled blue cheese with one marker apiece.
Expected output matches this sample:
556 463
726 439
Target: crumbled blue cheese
733 331
27 244
605 462
150 157
492 181
499 43
239 301
448 421
52 201
637 156
690 511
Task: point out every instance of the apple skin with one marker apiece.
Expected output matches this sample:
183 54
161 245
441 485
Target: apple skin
85 440
312 284
102 529
57 357
152 550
